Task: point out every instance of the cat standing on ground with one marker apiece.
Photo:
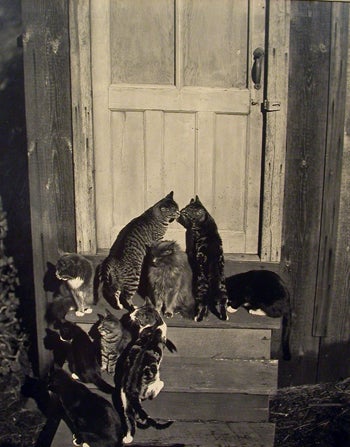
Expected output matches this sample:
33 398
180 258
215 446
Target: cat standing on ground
93 419
137 373
206 258
262 292
168 278
77 271
120 272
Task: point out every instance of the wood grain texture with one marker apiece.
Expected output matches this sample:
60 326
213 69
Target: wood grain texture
277 59
142 42
209 407
83 151
332 175
48 106
306 136
335 345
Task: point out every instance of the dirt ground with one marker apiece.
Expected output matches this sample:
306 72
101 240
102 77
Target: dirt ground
306 416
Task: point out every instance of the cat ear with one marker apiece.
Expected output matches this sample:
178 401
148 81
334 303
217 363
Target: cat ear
191 201
197 199
170 195
148 301
108 312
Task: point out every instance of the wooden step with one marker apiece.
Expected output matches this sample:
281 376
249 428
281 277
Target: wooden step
193 434
209 407
240 319
211 375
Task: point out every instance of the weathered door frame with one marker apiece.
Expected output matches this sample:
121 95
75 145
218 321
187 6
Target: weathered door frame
276 89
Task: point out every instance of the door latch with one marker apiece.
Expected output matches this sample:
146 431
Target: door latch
271 106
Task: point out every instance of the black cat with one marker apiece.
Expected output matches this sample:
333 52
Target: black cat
93 419
262 292
81 354
206 258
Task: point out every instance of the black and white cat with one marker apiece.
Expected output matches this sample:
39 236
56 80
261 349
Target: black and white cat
206 258
81 354
262 292
93 419
168 279
137 373
77 271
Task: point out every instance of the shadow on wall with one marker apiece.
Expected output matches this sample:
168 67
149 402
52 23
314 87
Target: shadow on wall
14 187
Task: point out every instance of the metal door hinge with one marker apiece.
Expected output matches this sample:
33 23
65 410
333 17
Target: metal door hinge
271 106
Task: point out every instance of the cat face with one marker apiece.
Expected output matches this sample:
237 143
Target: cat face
161 250
66 267
193 214
146 316
67 330
108 324
167 209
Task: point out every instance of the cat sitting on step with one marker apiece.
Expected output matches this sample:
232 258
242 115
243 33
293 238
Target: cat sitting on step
137 375
262 292
167 279
92 418
77 271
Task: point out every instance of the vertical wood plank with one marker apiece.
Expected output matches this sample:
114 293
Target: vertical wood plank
255 135
335 349
128 169
80 50
306 136
154 157
274 160
48 106
101 74
333 162
205 158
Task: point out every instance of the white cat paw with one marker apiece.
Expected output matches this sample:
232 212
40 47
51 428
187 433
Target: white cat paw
78 313
257 312
75 377
128 439
88 310
231 309
75 441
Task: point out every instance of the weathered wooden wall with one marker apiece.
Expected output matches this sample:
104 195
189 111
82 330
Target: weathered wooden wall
315 255
318 45
48 115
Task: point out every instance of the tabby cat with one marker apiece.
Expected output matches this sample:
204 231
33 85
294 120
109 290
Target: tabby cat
113 339
262 292
94 421
206 258
120 272
137 373
83 359
78 272
168 278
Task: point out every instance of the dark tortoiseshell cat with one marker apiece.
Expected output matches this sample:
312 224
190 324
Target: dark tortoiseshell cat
113 339
168 278
206 258
93 419
137 373
82 356
77 271
262 292
120 272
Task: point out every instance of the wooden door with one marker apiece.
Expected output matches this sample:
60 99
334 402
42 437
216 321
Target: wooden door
175 108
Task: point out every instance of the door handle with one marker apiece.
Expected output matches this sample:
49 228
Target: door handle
258 56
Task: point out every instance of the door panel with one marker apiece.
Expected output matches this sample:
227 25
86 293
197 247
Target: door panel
174 109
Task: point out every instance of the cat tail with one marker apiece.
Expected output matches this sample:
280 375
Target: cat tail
145 421
170 345
286 326
103 385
